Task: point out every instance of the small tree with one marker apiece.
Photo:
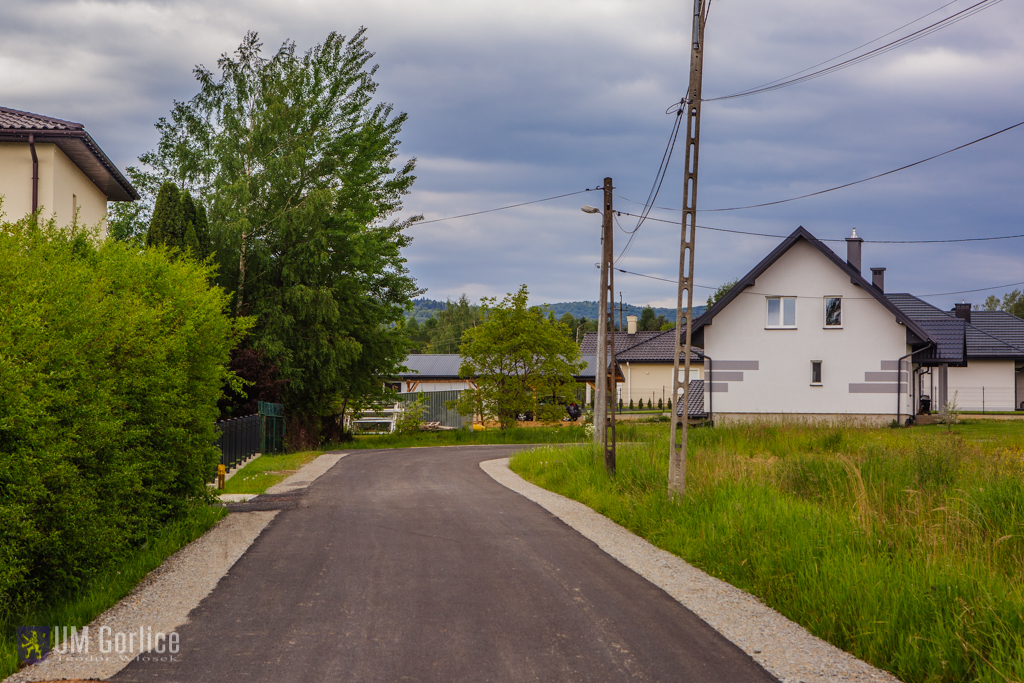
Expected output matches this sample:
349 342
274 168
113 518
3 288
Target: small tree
410 420
523 362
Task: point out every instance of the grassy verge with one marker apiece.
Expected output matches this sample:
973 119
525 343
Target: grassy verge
267 470
903 547
565 433
106 589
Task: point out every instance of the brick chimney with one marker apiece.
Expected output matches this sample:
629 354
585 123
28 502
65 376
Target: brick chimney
853 250
631 324
964 311
878 278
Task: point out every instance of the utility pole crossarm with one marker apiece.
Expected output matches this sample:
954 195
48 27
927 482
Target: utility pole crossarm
684 300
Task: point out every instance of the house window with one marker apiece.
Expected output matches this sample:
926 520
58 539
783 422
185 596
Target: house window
816 372
781 311
833 311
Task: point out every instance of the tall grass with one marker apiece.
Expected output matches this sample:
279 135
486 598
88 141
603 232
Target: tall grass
107 588
903 547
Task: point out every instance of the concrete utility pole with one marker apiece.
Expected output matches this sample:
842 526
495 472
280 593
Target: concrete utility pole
604 373
677 439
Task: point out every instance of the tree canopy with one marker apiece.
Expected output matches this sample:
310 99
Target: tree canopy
295 163
523 361
1012 302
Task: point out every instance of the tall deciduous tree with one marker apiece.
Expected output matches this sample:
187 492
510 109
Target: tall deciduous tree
523 362
296 164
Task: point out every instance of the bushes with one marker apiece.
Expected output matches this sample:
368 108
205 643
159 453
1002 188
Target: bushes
111 364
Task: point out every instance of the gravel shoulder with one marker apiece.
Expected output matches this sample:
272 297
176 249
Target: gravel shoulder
781 646
163 600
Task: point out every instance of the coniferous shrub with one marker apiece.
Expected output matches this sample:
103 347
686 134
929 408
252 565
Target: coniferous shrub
111 364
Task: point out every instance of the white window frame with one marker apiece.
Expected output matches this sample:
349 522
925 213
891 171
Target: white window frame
824 313
782 312
820 373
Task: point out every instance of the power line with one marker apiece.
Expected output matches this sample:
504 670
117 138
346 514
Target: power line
827 239
659 179
874 40
856 182
502 208
963 291
969 291
899 42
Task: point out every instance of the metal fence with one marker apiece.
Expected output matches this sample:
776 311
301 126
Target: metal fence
242 437
272 427
435 410
239 438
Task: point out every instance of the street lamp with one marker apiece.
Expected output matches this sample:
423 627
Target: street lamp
586 208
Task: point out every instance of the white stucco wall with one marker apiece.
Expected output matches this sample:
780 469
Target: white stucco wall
61 185
870 341
984 384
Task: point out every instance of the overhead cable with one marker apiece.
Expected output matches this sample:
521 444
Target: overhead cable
963 291
502 208
828 239
856 182
899 42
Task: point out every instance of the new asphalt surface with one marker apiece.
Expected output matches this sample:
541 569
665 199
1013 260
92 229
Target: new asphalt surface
414 565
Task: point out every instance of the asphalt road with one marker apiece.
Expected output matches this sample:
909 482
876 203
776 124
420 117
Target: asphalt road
414 565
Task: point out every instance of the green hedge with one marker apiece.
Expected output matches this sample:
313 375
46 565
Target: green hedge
111 363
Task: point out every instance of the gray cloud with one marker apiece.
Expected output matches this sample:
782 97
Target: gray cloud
510 102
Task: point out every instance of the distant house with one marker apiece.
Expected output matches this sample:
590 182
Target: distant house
805 334
646 360
430 372
55 165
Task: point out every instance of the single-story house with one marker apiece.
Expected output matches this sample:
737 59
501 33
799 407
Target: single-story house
805 334
56 166
431 372
646 360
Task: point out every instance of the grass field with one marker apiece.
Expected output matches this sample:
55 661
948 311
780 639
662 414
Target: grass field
108 588
903 547
267 470
564 433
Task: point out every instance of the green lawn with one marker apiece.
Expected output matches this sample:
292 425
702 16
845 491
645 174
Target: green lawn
904 547
267 470
565 433
109 587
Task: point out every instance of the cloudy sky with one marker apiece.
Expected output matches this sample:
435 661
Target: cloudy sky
510 102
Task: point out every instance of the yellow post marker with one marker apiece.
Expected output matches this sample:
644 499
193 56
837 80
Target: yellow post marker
221 471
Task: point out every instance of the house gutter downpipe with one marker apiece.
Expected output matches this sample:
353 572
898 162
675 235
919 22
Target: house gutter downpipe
35 172
899 375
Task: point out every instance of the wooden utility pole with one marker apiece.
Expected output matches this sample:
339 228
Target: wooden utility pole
604 373
681 405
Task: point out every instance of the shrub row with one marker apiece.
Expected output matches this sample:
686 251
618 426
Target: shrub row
111 363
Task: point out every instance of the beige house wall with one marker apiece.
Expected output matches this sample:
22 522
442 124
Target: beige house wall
62 186
652 380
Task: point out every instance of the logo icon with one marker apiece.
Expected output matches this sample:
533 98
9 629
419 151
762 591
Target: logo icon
33 643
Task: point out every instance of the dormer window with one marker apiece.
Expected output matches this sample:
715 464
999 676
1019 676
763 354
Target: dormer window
833 311
781 312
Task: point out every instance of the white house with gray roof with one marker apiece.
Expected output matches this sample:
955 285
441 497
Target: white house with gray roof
805 334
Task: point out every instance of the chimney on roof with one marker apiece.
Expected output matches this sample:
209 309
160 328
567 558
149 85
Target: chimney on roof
878 278
964 311
630 324
853 250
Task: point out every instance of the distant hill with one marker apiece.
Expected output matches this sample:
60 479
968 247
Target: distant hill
425 308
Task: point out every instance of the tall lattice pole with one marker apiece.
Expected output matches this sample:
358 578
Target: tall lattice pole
680 419
601 360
